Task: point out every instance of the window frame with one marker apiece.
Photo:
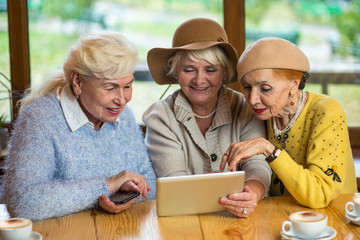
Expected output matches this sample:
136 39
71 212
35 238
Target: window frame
234 24
19 49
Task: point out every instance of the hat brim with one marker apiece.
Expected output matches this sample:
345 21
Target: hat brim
157 59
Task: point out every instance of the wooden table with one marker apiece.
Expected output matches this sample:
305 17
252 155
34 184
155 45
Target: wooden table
141 222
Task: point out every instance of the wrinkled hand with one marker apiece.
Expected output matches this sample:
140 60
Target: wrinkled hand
124 181
117 181
236 202
240 151
111 207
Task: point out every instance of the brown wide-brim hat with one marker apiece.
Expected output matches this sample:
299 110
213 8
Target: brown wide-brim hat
194 34
272 52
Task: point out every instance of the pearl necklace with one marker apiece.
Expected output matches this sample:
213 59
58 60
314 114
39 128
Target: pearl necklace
206 116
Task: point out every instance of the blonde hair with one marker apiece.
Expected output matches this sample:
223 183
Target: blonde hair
105 56
214 55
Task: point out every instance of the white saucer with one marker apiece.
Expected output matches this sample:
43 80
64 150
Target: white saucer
353 215
352 218
328 233
35 236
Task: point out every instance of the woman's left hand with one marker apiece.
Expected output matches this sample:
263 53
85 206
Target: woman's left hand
111 207
240 204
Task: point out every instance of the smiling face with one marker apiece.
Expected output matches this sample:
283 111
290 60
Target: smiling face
102 100
268 94
200 81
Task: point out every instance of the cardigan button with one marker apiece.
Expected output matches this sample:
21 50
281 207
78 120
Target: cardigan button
213 157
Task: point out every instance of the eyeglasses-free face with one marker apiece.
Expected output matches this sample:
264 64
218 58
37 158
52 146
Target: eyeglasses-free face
268 95
102 100
200 81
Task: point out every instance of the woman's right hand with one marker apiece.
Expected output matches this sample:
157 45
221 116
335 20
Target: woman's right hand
239 151
119 181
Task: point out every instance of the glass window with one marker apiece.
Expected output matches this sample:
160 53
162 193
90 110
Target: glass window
328 31
56 25
5 86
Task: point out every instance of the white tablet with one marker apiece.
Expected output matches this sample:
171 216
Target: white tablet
194 194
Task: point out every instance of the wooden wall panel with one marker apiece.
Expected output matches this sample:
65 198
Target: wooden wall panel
19 48
234 24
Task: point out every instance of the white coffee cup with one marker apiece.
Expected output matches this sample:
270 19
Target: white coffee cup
15 229
305 224
353 207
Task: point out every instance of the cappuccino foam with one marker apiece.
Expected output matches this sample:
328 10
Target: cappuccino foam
307 216
14 223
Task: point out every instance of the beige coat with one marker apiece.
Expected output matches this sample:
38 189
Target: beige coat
177 147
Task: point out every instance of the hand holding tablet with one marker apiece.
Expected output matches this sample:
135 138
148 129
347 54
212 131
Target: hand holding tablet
193 194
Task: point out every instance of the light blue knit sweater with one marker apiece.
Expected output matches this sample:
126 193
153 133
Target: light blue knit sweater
52 171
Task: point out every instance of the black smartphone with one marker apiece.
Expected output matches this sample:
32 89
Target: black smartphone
123 197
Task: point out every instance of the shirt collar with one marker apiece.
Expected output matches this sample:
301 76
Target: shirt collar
74 115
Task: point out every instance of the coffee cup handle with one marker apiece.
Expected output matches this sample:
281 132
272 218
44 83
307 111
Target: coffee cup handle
352 211
286 227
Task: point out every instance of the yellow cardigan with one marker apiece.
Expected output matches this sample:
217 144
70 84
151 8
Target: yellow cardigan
317 163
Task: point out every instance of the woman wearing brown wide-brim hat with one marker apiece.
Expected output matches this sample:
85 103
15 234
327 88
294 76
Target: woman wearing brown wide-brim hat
189 131
307 143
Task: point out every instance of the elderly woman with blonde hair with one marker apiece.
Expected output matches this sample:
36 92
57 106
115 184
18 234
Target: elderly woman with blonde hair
76 142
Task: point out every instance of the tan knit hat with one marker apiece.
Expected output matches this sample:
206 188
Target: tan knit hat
194 34
272 53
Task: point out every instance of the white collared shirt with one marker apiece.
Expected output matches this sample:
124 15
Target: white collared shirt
74 115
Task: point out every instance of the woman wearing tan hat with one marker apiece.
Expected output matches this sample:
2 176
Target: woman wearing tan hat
188 132
308 145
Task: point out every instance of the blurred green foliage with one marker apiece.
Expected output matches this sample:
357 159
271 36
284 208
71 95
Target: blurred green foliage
45 62
348 25
214 6
65 9
255 10
2 120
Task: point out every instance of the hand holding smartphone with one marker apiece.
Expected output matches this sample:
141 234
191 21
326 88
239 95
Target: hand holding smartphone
123 197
